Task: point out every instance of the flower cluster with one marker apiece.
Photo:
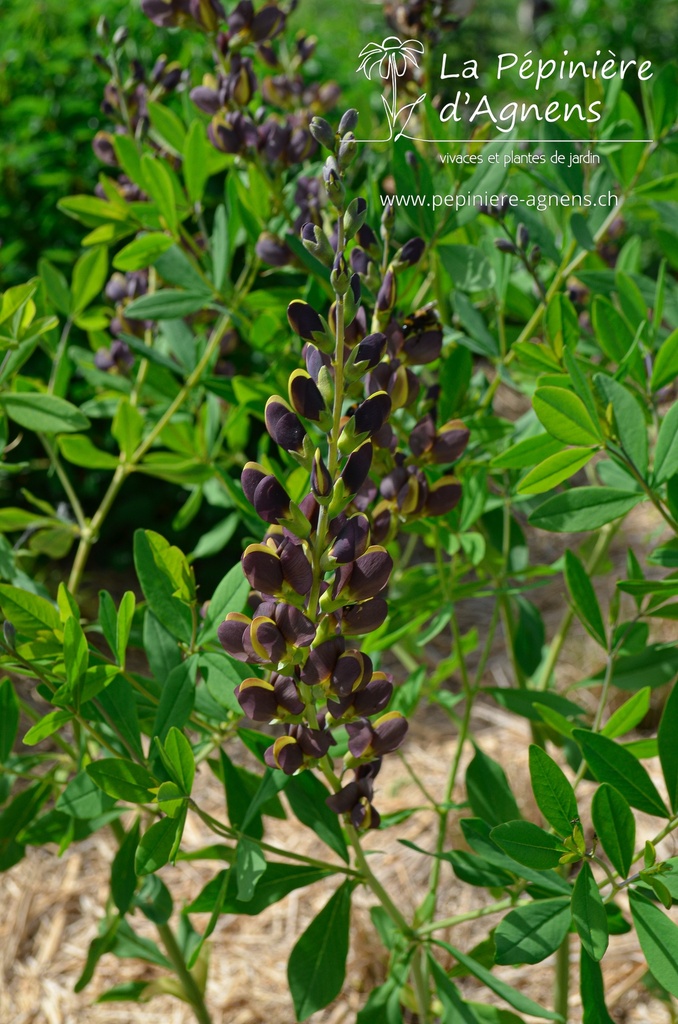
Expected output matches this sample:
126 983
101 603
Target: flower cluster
429 19
320 574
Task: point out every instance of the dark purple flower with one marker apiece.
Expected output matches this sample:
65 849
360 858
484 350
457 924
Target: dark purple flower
321 481
423 348
370 350
263 568
411 252
296 567
370 699
231 634
356 468
206 99
371 414
272 250
305 395
358 619
269 498
304 320
283 425
321 661
386 295
374 739
450 442
356 797
443 496
352 540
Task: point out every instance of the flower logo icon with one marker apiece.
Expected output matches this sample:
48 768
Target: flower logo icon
391 59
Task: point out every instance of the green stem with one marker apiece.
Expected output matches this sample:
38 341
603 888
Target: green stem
188 982
561 1002
471 915
69 490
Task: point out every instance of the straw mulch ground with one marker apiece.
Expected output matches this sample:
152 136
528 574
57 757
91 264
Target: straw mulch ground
51 906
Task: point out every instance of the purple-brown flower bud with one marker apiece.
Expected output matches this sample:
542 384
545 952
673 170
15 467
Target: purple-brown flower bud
263 700
374 739
387 293
411 252
269 498
356 797
295 566
450 442
358 619
352 540
364 578
206 99
304 320
423 348
321 661
273 250
321 481
443 496
356 468
371 414
305 395
231 634
262 568
283 425
370 699
370 350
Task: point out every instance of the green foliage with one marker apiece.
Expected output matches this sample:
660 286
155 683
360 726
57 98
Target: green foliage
138 371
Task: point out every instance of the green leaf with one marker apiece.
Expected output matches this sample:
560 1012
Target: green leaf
552 791
143 251
122 779
123 875
612 763
238 799
658 937
44 413
592 991
167 304
583 508
180 755
553 470
9 719
478 836
158 184
488 790
230 596
562 324
83 799
615 827
468 268
28 612
78 449
665 367
565 417
56 286
629 715
454 1008
176 699
195 161
584 598
531 932
250 865
162 571
512 996
666 452
588 913
47 726
611 330
668 747
317 964
89 277
629 420
528 844
156 845
526 453
166 124
306 795
277 881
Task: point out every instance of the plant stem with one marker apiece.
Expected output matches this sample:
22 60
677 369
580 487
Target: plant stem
561 1003
188 982
69 490
471 915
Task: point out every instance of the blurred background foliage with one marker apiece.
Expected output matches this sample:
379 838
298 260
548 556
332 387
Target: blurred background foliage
50 84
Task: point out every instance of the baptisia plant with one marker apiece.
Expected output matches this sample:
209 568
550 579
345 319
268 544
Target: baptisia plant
358 419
